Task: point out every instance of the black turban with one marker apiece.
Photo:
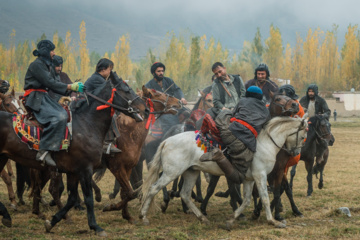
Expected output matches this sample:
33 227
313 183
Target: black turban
44 47
57 60
155 66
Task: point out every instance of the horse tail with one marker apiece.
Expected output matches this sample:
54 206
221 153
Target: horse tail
100 172
153 175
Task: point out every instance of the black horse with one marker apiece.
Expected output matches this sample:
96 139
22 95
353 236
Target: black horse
89 129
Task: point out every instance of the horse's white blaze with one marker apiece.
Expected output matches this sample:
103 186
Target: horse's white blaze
179 155
16 104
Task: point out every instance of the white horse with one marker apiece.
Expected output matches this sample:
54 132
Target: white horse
179 155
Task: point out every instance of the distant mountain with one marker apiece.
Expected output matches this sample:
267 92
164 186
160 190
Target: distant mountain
147 22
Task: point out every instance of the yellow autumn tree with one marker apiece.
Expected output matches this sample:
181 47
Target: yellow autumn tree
273 55
121 58
84 53
288 63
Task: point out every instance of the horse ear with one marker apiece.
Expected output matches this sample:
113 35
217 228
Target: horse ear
271 94
13 92
145 90
202 93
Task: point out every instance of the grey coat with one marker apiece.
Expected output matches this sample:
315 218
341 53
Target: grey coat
254 112
174 90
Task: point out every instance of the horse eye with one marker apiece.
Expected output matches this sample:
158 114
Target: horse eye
277 99
8 105
209 100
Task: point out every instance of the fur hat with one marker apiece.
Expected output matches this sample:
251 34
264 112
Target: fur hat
57 60
289 91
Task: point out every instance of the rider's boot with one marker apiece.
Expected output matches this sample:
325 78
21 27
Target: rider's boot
45 157
109 148
226 166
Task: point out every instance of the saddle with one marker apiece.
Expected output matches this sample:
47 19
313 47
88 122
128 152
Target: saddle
209 135
29 130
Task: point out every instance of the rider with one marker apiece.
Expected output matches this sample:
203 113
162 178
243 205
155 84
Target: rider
102 73
261 79
165 84
249 116
59 75
227 90
38 81
314 103
4 86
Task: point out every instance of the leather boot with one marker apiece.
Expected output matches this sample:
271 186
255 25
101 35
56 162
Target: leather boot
230 172
109 148
45 157
215 154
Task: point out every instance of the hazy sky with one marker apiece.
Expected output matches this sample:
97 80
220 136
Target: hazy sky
229 21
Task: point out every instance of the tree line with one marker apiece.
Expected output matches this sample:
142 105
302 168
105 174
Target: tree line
188 59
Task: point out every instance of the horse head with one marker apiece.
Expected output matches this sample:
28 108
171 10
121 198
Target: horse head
126 100
205 102
296 140
9 103
282 105
322 129
162 102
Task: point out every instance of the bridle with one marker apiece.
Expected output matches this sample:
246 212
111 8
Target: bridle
321 134
283 110
129 109
292 150
206 102
3 108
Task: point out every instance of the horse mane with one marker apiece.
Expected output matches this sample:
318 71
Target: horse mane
282 121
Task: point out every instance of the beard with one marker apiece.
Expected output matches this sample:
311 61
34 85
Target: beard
158 78
311 96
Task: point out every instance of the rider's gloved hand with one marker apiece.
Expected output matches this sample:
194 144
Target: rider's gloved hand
77 87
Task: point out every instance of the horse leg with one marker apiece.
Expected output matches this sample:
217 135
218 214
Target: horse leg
9 168
190 177
6 221
96 190
260 180
199 197
56 191
289 194
278 178
223 194
248 186
116 189
309 166
162 182
22 177
166 198
292 175
209 192
86 187
235 194
321 168
7 179
39 180
72 187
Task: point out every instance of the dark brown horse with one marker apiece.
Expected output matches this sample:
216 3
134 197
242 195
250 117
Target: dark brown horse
281 105
89 128
9 103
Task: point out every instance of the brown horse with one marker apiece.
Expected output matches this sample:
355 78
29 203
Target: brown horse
8 103
89 128
135 133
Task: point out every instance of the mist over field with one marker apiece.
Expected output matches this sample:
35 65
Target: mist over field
231 22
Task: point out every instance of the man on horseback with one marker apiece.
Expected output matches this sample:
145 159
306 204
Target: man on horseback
4 86
314 103
38 81
248 117
262 80
227 90
167 85
102 73
59 75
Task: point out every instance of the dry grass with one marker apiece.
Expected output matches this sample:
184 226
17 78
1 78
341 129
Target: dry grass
320 222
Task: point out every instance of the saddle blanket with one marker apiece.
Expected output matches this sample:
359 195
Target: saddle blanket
31 135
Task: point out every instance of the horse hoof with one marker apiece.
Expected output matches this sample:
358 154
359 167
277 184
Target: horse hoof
146 222
98 198
41 216
164 206
107 208
229 225
132 221
112 196
308 196
48 226
283 221
6 222
321 185
204 220
278 224
21 202
255 216
13 206
101 234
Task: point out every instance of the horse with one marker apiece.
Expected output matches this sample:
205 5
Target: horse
179 155
148 151
89 128
280 105
121 164
10 104
317 149
277 178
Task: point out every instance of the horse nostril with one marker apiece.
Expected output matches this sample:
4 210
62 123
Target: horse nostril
294 104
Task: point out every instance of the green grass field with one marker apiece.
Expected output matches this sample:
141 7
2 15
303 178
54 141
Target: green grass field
321 221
